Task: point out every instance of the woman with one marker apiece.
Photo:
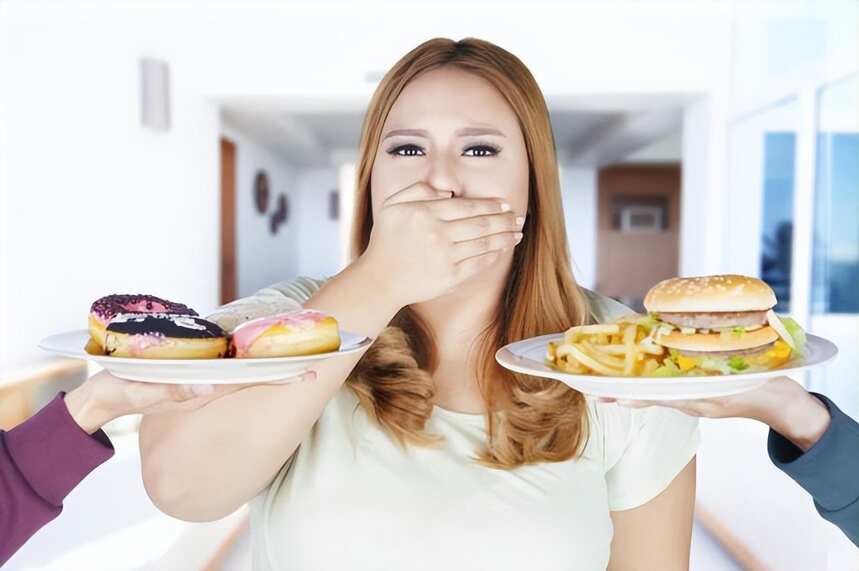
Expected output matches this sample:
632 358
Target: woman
427 454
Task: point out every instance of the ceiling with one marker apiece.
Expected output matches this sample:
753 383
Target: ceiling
587 131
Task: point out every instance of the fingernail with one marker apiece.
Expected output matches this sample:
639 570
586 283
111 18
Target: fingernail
505 207
520 220
202 390
518 236
309 376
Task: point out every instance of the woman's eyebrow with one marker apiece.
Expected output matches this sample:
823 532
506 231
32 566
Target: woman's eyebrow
406 132
464 132
477 131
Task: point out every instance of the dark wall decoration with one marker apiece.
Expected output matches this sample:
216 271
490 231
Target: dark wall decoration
261 191
334 205
280 214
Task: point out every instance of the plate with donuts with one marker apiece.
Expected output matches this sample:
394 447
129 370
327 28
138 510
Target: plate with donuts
150 339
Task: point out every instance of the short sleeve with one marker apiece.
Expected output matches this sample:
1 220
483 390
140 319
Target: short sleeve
644 453
288 295
604 309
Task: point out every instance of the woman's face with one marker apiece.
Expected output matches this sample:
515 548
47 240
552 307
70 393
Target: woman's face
454 131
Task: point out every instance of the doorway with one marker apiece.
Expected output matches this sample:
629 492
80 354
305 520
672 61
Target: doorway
638 215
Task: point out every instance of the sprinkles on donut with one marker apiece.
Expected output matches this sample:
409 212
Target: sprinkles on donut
104 309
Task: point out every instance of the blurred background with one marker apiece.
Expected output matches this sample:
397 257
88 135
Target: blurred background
202 150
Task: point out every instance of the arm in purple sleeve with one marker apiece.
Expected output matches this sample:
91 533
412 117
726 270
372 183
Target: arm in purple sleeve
41 461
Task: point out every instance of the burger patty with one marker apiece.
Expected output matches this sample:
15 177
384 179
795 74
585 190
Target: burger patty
715 319
738 353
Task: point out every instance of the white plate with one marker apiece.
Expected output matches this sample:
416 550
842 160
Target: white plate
186 371
528 357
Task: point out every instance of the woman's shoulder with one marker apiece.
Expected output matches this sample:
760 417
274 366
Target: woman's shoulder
610 428
640 450
604 308
615 430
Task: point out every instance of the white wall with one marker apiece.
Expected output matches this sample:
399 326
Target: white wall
782 46
92 203
702 186
579 196
263 258
319 236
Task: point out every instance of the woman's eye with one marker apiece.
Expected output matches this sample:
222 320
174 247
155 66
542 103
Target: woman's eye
411 150
406 151
480 151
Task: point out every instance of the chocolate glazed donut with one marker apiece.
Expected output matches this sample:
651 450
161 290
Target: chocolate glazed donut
164 336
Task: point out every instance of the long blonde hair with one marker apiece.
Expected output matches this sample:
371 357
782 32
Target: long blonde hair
531 419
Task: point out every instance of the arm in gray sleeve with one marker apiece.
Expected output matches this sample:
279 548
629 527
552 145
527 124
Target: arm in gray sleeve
288 295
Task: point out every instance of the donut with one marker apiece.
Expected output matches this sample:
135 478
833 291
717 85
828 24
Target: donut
234 314
105 308
302 332
164 336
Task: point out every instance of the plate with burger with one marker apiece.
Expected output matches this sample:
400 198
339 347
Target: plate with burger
702 337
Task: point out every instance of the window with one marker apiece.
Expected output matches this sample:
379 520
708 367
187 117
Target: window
777 225
835 257
758 207
834 295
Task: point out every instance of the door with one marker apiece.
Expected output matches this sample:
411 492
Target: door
228 222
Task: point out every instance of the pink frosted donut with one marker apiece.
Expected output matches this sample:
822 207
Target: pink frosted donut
303 332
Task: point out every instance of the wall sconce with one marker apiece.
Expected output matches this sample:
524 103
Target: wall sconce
155 94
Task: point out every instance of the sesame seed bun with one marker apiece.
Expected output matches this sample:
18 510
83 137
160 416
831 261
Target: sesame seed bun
729 292
700 342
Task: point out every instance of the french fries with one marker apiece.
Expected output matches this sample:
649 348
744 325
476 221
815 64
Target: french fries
624 348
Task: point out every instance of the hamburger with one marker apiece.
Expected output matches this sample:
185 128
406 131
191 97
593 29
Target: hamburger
719 324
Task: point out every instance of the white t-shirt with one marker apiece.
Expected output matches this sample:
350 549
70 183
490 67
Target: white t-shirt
351 498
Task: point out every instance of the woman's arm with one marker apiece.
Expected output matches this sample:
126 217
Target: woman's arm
656 535
202 465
